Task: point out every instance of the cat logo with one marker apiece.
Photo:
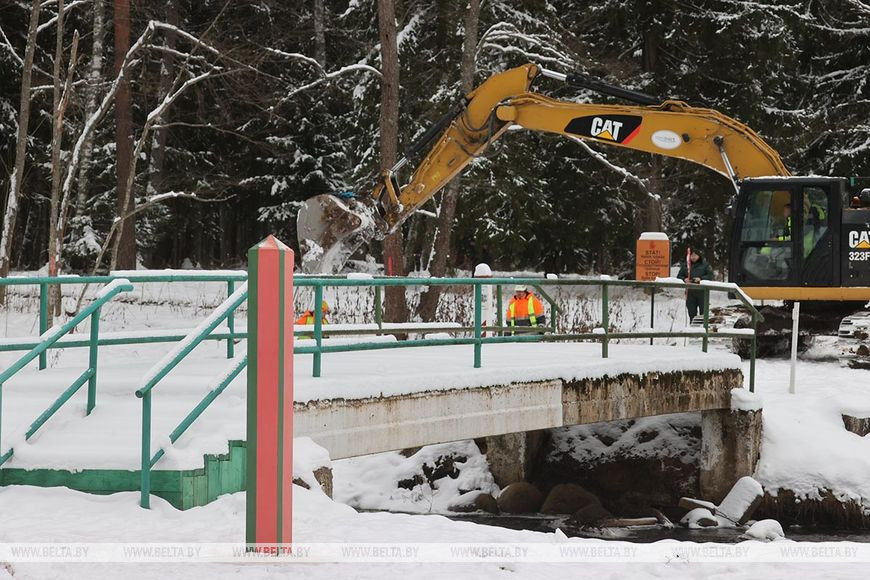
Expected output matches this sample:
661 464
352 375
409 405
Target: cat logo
605 128
859 240
613 128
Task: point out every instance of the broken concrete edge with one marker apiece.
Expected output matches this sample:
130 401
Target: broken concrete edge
323 476
859 425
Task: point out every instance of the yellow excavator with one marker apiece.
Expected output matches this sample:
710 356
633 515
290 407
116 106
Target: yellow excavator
794 238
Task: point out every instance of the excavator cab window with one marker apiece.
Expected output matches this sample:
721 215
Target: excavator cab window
815 204
765 238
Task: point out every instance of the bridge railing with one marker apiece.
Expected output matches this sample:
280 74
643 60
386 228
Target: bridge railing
48 338
230 277
163 367
603 334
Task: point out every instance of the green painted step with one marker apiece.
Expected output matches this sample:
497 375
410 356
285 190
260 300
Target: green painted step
221 473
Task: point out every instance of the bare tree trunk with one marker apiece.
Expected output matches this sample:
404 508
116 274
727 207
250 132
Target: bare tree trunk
650 54
124 141
20 150
56 137
319 32
394 259
653 222
94 77
59 206
156 173
444 231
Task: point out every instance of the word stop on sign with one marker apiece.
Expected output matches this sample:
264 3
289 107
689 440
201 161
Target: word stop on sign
653 256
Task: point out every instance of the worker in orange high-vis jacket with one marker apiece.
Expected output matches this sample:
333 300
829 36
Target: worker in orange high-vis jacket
525 309
308 316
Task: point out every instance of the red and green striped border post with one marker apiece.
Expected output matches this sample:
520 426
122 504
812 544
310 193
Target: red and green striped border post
270 394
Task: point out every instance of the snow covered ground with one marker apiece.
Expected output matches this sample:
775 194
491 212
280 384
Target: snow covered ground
805 449
337 542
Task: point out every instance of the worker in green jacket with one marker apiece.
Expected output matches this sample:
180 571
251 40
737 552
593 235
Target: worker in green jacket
699 270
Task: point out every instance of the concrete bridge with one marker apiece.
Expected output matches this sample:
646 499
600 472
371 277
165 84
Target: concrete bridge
427 396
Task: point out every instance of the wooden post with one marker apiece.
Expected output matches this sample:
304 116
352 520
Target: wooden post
270 394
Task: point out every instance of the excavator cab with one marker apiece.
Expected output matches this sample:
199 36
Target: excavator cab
788 236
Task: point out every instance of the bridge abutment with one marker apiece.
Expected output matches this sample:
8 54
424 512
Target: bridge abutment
730 448
512 457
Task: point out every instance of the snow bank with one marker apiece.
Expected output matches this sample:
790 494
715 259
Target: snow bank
429 481
805 446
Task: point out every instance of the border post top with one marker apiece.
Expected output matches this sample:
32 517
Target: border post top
272 243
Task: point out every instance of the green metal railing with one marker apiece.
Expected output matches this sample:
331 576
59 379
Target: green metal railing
165 366
49 338
44 282
604 334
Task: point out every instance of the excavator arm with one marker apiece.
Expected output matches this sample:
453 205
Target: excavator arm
331 228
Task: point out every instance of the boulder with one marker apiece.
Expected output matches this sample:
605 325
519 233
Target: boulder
700 518
474 502
520 497
486 503
567 498
591 514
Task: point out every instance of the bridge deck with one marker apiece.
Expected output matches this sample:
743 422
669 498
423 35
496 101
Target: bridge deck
109 438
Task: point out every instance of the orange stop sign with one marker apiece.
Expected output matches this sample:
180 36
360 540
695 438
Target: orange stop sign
653 257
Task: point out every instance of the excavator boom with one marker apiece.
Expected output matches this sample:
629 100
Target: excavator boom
330 228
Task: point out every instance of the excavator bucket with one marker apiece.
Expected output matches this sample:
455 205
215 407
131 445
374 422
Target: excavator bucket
330 229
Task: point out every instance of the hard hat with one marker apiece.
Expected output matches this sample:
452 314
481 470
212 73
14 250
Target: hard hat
325 306
521 288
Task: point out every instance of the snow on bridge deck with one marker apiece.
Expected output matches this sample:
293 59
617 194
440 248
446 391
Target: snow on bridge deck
110 437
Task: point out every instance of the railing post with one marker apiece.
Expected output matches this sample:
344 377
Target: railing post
498 308
652 313
43 321
605 319
553 311
231 322
145 486
706 340
318 328
478 322
379 309
753 353
92 360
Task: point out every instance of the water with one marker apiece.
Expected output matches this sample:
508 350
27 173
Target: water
646 534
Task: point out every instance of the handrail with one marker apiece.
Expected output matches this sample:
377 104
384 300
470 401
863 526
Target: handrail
604 334
197 335
141 276
222 383
164 366
50 337
131 276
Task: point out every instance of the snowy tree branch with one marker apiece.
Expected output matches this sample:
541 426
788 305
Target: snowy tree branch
626 174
